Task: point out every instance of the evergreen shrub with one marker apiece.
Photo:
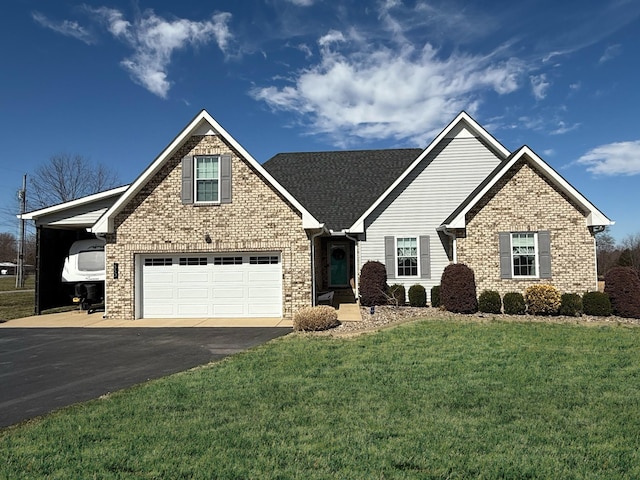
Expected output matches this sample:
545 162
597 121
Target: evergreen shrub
622 284
458 289
597 304
514 303
373 284
435 296
570 305
490 302
417 296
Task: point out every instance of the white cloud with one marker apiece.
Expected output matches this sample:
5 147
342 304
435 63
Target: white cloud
301 3
155 39
539 86
374 92
66 27
619 158
562 128
610 53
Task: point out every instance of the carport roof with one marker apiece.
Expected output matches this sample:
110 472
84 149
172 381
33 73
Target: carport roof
80 213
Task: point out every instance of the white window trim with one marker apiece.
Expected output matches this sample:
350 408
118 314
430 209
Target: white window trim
417 239
195 179
536 254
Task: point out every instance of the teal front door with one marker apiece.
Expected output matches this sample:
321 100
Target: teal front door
338 264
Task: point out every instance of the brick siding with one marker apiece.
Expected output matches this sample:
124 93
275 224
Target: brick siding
523 201
156 221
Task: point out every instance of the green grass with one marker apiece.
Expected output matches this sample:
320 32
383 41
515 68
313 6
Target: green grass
425 400
16 305
9 283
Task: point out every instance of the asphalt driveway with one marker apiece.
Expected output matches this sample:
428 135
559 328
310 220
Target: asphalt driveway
43 369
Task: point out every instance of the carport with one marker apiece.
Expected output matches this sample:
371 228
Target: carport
57 227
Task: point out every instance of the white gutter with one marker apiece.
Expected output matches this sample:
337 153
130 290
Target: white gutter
323 230
452 236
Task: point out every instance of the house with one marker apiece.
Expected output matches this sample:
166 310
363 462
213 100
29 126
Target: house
207 231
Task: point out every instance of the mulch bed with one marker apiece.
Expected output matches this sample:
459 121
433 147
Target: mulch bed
384 317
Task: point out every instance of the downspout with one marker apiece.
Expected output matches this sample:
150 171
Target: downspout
596 229
313 263
452 236
355 269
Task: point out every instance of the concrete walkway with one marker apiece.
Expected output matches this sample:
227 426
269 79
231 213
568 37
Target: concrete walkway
79 319
347 312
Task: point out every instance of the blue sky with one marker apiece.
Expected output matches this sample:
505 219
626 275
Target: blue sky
116 81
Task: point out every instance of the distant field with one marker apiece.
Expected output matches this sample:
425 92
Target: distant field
8 282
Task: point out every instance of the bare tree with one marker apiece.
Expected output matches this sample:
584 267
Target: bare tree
631 251
607 251
8 251
66 177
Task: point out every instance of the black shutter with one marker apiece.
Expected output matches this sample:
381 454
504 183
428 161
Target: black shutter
505 255
225 178
390 256
187 180
544 253
425 256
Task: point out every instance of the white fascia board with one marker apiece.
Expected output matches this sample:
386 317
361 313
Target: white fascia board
202 124
595 217
73 203
358 225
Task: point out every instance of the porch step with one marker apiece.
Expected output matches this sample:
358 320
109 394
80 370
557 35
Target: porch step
349 312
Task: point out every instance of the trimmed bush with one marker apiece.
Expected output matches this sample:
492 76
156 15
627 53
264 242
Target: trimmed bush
417 296
542 300
398 293
570 305
313 319
435 296
373 284
458 289
490 302
596 303
622 284
514 303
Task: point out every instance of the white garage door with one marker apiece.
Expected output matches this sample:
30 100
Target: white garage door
211 286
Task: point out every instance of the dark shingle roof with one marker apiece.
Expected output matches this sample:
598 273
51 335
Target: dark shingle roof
338 187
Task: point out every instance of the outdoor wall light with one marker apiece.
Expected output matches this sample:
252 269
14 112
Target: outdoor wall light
207 238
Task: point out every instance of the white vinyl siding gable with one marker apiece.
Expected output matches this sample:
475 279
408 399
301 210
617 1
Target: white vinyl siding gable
425 198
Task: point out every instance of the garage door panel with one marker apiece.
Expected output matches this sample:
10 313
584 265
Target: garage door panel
243 288
228 294
192 277
193 293
158 277
221 311
264 292
193 310
228 276
160 293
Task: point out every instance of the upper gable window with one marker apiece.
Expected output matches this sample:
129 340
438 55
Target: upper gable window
206 179
207 176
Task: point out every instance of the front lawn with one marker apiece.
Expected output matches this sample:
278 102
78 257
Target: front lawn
431 399
16 305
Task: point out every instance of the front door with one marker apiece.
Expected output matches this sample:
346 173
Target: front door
338 264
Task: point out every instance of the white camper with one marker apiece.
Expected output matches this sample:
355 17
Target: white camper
84 271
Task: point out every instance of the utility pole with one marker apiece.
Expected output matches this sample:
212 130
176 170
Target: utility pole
22 196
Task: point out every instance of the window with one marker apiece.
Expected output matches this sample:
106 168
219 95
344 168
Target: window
157 262
523 252
207 179
91 260
407 254
193 260
227 261
263 260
